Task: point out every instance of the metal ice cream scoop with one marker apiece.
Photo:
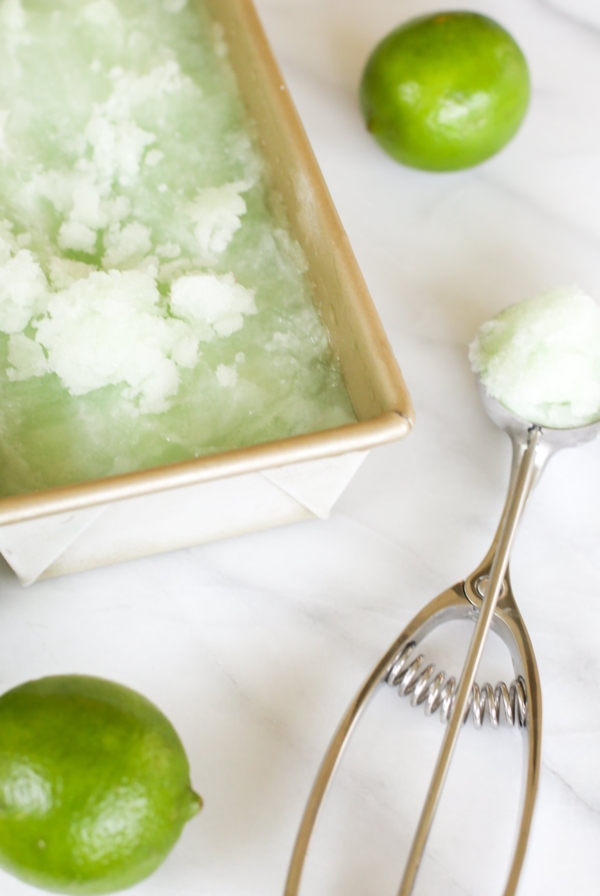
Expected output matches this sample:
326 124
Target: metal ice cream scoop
486 597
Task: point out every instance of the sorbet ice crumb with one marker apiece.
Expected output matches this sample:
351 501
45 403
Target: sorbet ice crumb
109 329
168 250
217 212
129 244
154 157
64 271
227 376
541 359
215 306
77 236
23 289
27 358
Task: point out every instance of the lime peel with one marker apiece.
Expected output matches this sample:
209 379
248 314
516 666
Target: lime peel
444 92
94 785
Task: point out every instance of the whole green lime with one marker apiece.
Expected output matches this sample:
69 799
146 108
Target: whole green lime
445 91
94 785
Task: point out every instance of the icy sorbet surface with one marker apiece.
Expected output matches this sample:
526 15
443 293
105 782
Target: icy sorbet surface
152 308
541 359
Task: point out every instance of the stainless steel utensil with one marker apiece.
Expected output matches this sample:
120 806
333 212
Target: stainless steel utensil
486 597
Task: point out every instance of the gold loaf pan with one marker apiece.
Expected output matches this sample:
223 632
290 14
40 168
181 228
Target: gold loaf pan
373 379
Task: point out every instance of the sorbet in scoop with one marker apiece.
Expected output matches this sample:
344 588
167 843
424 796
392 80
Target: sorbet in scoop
541 358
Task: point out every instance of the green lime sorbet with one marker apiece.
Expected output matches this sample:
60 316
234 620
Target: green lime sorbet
541 359
153 308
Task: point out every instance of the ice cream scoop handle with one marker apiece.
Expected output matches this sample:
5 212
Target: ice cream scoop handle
520 489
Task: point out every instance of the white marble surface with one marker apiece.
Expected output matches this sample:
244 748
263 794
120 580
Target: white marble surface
254 646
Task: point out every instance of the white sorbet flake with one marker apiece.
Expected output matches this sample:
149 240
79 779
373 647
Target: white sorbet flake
109 329
55 186
227 376
64 271
117 143
117 208
217 212
117 146
541 359
26 357
154 157
185 351
167 272
8 245
77 236
174 6
213 305
23 291
127 245
131 90
87 205
149 264
169 250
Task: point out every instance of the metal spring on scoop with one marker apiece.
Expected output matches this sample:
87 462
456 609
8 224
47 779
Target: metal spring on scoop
428 687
